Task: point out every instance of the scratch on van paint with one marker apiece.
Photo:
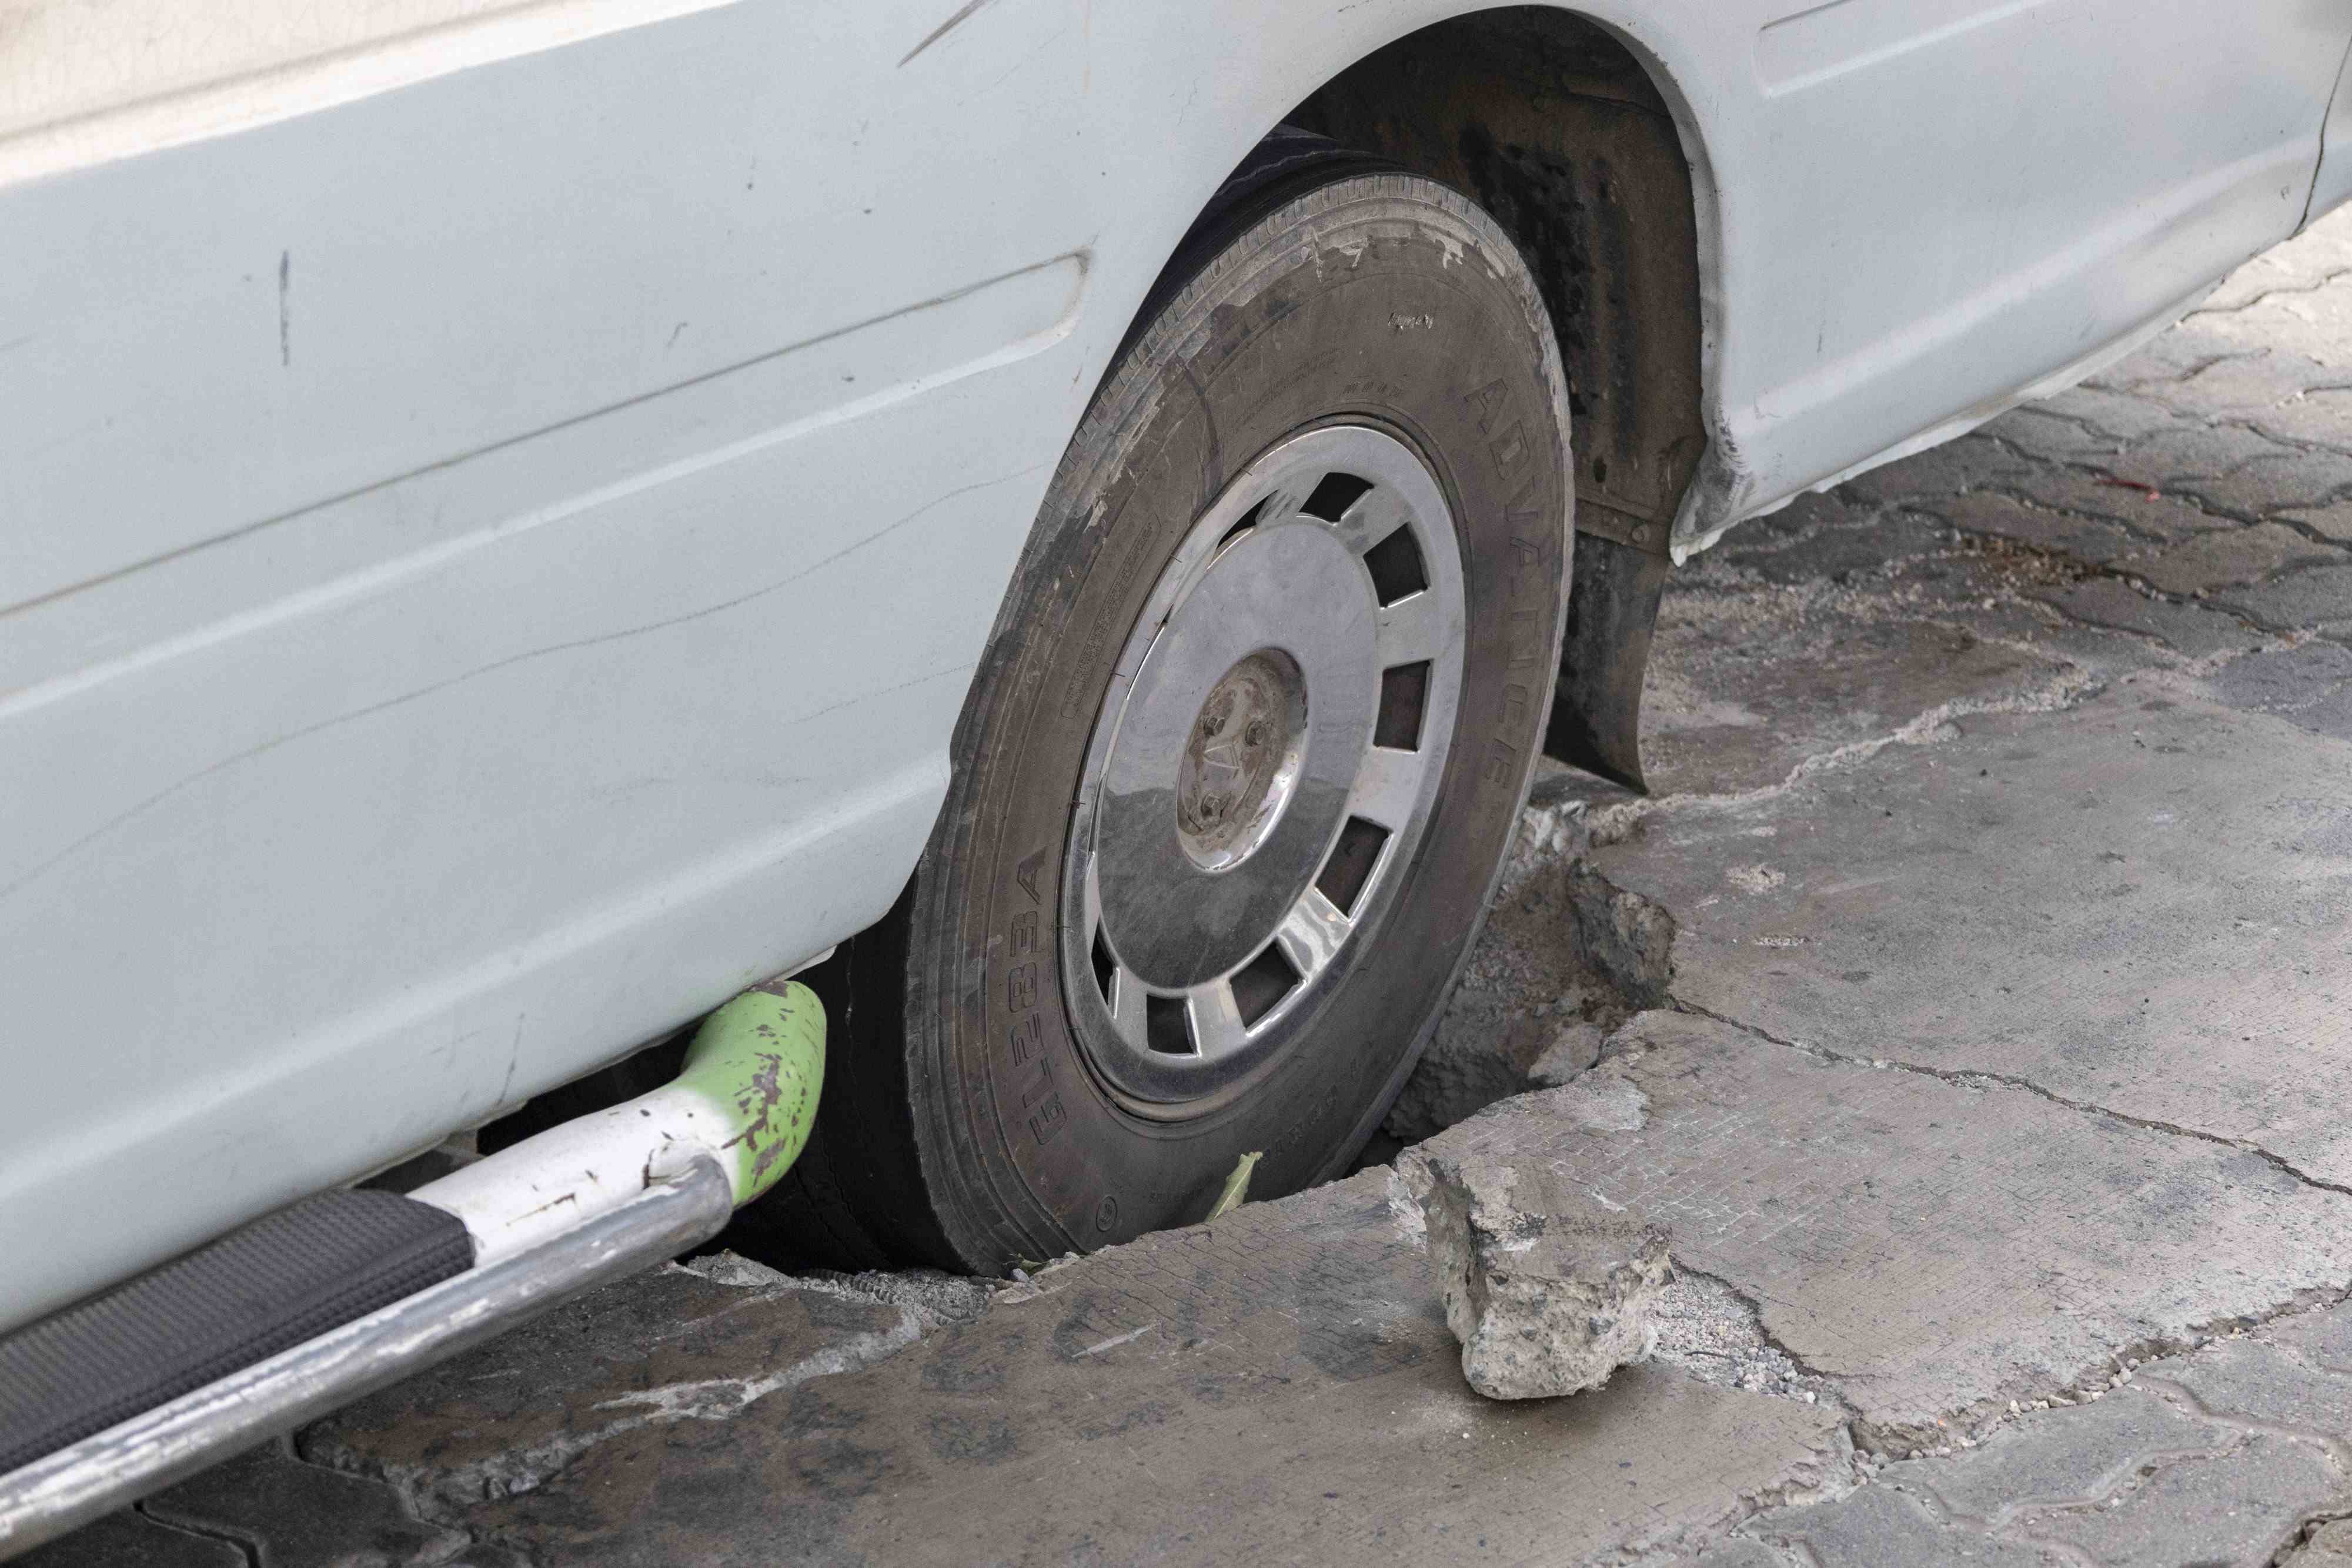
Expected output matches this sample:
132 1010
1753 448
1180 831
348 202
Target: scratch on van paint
284 308
963 13
800 571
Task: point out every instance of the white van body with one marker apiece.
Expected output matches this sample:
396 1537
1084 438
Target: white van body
500 501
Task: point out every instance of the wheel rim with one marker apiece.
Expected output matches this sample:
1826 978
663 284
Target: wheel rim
1263 766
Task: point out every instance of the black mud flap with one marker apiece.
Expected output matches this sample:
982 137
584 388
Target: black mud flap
1596 708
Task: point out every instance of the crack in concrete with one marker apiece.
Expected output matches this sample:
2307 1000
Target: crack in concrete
1977 1078
2129 1475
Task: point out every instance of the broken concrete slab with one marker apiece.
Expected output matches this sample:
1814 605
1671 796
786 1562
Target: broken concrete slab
2225 1454
1574 1048
1549 1290
1926 1246
1276 1386
2142 1471
2077 906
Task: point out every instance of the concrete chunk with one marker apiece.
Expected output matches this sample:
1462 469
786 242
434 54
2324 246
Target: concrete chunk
1548 1289
1574 1048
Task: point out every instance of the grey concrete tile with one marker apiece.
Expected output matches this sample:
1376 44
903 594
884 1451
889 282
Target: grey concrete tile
1746 687
1949 469
2318 255
1857 549
2251 1381
2298 478
2231 559
2081 1453
2148 516
2323 1339
2040 433
2239 1508
2313 324
2286 396
1735 1551
2189 451
1883 1526
2084 538
2127 415
2322 416
2192 629
2333 521
2177 354
2317 598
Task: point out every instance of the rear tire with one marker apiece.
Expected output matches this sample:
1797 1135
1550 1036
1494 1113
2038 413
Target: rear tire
1217 679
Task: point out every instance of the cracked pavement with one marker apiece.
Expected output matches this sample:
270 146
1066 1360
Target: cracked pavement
2002 850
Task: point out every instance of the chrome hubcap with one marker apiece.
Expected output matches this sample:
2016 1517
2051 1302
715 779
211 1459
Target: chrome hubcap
1264 764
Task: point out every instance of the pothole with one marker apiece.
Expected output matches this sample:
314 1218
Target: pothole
1565 957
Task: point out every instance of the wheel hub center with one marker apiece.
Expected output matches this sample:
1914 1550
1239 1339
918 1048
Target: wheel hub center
1238 764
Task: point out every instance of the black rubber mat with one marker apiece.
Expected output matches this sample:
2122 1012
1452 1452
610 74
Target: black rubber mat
286 1278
